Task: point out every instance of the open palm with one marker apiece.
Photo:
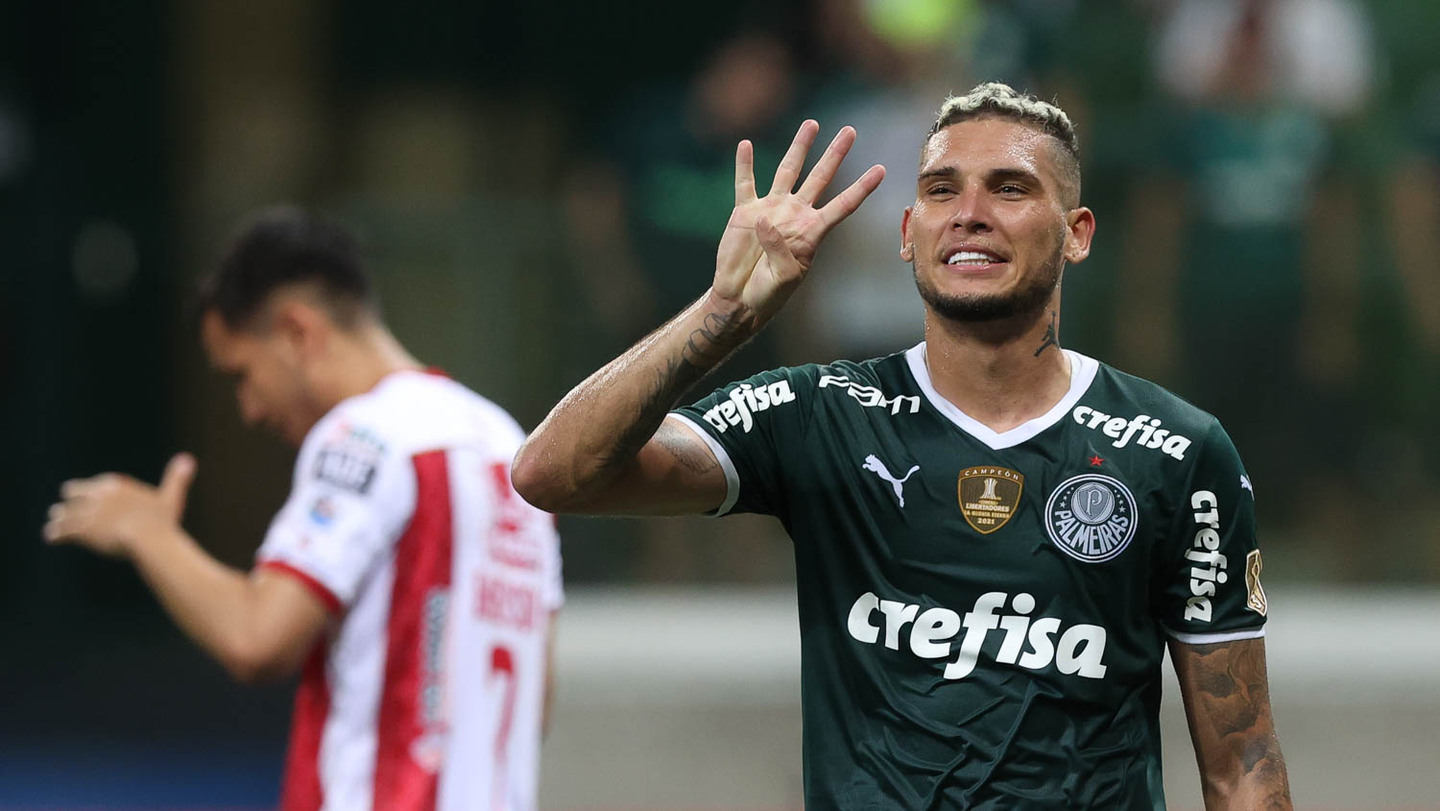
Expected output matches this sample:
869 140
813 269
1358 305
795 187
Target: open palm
770 241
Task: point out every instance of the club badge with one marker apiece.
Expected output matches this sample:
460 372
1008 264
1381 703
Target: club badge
1254 594
1091 517
989 496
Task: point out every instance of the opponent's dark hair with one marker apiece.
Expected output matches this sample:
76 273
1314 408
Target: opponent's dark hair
283 246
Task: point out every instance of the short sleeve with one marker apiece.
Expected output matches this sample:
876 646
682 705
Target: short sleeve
1210 566
753 427
552 592
349 502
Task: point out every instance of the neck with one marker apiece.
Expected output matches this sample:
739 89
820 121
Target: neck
1000 373
361 359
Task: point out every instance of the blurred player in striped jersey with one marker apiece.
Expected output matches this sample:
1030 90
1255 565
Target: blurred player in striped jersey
403 578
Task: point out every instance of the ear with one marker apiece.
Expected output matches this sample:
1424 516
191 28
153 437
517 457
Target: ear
303 328
907 246
1079 230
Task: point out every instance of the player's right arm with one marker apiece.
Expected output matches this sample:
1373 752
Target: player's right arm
605 448
258 625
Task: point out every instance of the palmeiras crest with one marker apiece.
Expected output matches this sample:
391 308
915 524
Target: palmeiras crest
1091 517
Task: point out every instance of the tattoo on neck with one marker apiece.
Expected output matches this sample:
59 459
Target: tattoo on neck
1051 339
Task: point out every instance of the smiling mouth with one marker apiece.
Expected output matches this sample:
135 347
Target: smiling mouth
973 259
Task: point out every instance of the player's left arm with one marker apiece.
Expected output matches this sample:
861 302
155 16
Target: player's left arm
1214 610
258 626
1227 704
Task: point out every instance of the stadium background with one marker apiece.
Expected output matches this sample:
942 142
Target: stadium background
542 183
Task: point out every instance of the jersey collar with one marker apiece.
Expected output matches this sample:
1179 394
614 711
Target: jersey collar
1082 374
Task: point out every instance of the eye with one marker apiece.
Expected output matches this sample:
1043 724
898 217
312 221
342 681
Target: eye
1010 189
940 190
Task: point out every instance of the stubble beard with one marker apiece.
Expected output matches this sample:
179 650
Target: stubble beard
1029 297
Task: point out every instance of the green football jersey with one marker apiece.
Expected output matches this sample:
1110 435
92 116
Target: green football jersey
983 615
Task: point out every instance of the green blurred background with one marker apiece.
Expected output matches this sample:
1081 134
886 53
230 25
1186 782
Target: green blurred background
541 184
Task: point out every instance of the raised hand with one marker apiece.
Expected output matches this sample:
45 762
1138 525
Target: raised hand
110 512
770 242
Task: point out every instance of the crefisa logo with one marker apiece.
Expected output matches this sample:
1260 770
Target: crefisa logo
1091 517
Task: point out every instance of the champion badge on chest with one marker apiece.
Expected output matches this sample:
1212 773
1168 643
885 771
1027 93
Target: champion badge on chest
989 496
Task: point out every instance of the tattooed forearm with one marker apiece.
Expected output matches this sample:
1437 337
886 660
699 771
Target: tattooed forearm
1051 337
1227 699
1232 681
706 346
588 453
713 341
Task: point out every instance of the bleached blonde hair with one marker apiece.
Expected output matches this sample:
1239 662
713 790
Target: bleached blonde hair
999 100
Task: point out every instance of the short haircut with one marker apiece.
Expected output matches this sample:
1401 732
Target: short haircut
997 100
285 246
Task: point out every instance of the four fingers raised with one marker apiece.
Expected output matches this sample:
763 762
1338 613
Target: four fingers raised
843 205
825 168
847 201
789 170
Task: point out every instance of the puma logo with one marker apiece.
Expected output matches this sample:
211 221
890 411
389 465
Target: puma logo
874 465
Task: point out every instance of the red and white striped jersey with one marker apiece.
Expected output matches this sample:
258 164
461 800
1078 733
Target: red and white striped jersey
429 691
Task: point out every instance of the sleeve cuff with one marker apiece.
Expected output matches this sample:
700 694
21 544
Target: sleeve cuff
1212 638
732 477
321 592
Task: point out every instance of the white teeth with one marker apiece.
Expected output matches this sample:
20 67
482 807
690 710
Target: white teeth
969 257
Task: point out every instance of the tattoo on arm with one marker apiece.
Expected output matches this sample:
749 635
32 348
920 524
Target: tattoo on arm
1051 338
706 346
712 342
684 450
1231 721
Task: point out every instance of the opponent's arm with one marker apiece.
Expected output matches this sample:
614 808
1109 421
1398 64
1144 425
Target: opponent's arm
1227 704
549 700
258 626
603 448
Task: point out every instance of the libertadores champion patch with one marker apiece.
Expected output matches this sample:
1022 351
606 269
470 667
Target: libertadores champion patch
1091 517
1254 594
988 496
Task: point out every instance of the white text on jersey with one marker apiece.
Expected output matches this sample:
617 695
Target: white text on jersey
1209 569
746 400
1121 430
1079 651
870 396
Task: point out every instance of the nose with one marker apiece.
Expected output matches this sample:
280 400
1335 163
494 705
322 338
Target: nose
972 213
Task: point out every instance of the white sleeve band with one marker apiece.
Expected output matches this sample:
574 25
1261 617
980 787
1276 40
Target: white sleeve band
1210 639
732 478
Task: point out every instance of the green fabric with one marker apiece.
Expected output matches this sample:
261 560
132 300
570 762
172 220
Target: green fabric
1057 707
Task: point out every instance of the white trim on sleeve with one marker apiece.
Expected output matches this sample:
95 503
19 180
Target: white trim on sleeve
1210 639
732 477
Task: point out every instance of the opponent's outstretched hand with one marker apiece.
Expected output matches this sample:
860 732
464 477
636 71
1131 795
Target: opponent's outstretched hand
110 512
770 241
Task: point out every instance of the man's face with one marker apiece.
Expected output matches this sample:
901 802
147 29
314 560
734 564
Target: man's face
266 365
989 232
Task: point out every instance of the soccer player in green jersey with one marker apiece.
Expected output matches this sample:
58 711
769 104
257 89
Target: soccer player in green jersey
996 539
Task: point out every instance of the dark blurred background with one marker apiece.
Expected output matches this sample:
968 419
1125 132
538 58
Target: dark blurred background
541 184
